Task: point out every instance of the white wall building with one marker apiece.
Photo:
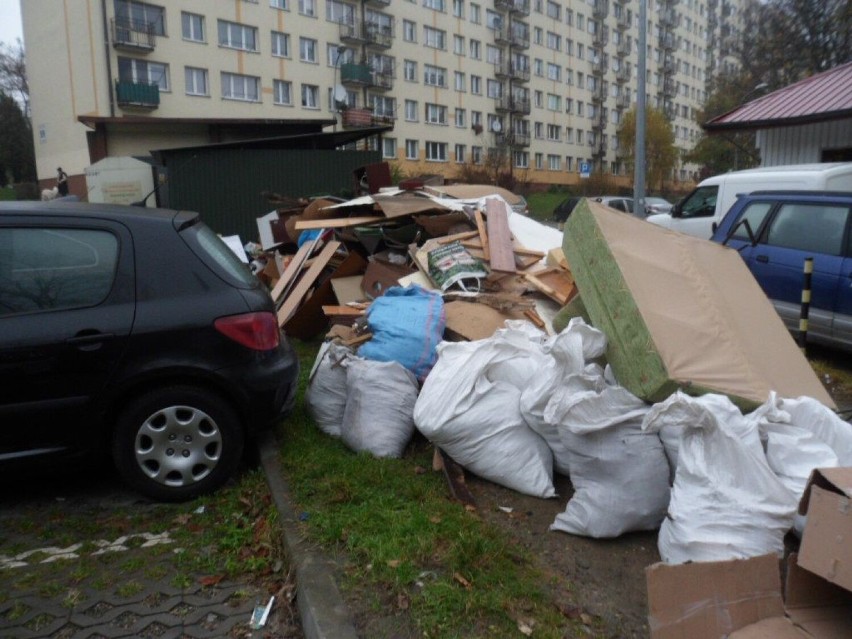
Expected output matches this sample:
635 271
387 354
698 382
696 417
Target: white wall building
546 81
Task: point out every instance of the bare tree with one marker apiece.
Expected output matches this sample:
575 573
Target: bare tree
13 74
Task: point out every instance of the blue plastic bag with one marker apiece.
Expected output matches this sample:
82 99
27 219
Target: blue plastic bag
407 324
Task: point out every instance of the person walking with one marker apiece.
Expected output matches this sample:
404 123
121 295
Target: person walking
61 182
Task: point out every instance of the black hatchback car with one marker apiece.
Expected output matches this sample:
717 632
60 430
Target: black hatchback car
134 334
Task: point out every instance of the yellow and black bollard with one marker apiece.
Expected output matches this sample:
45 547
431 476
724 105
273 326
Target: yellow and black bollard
806 303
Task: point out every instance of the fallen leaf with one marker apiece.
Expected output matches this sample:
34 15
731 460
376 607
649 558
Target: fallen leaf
464 582
210 580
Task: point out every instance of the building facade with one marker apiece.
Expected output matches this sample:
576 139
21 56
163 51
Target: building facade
541 83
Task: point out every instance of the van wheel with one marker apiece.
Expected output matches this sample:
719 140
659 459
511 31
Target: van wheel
173 444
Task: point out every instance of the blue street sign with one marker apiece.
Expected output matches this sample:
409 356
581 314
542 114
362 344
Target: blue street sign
585 169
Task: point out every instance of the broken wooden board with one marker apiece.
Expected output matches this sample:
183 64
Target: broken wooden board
338 310
556 283
293 300
348 289
502 258
338 222
291 270
483 235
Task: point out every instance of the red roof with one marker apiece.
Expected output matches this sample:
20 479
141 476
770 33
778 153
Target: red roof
825 96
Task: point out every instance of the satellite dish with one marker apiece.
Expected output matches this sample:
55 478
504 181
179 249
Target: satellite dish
496 126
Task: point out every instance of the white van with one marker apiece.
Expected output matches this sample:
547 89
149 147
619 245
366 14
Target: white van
700 212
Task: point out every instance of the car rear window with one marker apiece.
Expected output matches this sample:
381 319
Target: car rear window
45 269
217 252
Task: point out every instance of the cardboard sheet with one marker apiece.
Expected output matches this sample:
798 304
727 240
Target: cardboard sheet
681 312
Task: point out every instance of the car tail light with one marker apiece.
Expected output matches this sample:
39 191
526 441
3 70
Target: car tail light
258 331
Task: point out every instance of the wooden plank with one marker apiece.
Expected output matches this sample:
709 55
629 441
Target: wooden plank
483 235
534 317
558 284
338 222
292 269
499 237
295 297
457 236
341 311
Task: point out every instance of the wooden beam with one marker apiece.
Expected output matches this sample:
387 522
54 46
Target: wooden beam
338 222
292 270
499 237
483 235
295 297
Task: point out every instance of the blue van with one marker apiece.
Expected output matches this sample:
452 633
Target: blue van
775 231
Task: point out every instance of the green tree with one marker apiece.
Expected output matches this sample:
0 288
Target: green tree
661 154
17 157
13 74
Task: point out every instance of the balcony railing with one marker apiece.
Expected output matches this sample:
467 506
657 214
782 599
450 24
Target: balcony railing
512 71
137 94
368 33
513 37
513 104
520 7
356 74
132 34
378 3
512 138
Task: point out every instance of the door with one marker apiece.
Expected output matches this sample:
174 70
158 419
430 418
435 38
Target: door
66 310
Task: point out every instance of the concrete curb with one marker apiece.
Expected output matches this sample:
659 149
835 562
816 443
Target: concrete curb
323 612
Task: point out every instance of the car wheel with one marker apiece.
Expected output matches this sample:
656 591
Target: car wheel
174 444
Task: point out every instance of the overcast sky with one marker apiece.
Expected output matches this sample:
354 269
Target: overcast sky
10 21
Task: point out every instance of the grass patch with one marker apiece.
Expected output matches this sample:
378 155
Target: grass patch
406 539
542 204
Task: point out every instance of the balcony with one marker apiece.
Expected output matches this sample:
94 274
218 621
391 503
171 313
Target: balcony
137 94
356 74
132 35
368 33
601 9
624 48
383 80
622 102
519 7
622 75
512 71
667 41
512 139
378 3
512 104
623 21
357 118
513 37
598 67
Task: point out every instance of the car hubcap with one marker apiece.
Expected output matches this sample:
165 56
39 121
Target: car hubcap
178 446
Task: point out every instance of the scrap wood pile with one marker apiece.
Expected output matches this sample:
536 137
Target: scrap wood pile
717 461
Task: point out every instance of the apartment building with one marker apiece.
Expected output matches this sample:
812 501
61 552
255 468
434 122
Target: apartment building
541 83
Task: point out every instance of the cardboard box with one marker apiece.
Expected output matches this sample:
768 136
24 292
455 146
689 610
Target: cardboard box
741 599
826 548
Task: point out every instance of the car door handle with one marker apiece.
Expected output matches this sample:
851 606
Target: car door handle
762 258
89 340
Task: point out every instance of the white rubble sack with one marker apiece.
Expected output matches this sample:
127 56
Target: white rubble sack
726 502
619 473
378 417
800 435
326 393
672 416
469 407
569 351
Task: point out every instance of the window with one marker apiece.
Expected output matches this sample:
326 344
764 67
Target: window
389 147
436 114
554 10
554 162
539 160
340 12
436 151
461 118
282 92
384 106
538 67
493 20
409 70
476 118
476 85
476 154
522 159
554 72
278 4
310 96
280 44
458 8
815 228
307 50
240 87
237 36
538 127
554 132
308 8
409 31
460 83
458 45
192 26
475 13
143 72
495 89
337 54
437 5
754 214
538 99
492 54
411 110
435 38
412 152
460 151
140 16
196 81
554 41
434 76
53 269
476 49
